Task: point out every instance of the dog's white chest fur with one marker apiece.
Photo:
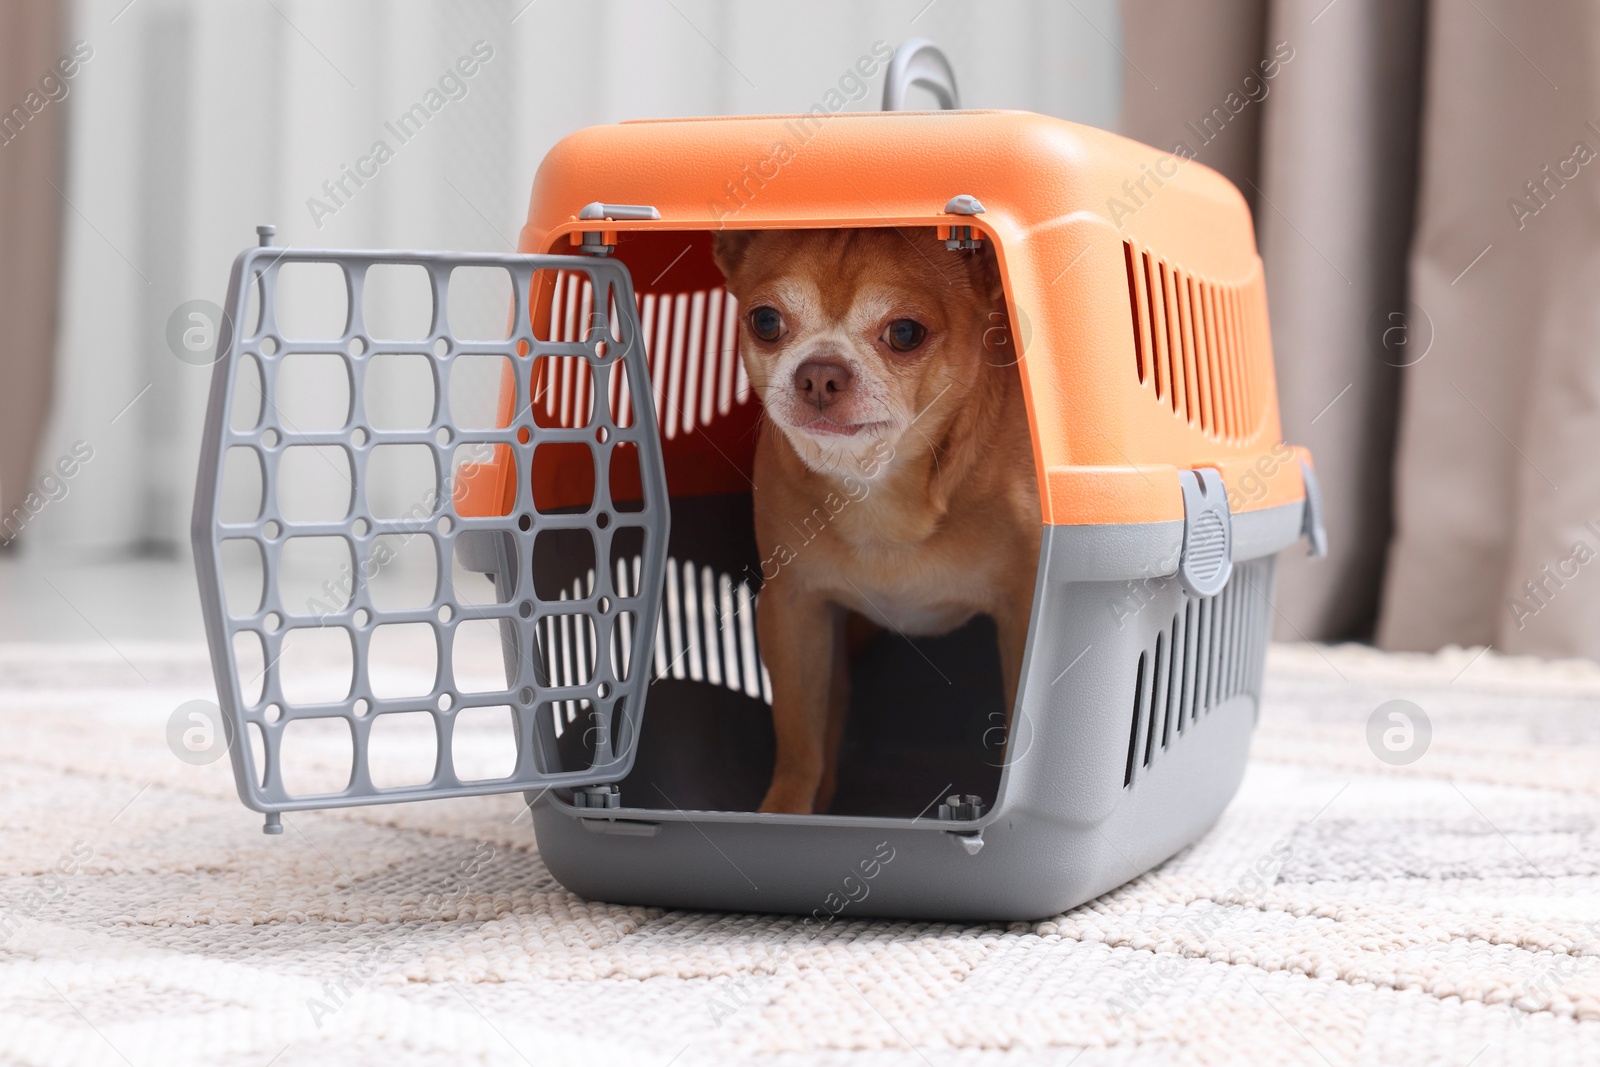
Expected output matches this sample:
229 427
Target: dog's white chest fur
910 613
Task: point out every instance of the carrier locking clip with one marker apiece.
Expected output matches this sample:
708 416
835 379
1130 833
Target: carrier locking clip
604 242
957 237
1207 560
1311 527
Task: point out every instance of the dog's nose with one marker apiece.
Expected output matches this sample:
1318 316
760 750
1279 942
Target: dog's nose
821 383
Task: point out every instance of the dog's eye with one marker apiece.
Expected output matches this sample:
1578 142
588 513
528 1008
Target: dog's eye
904 335
766 323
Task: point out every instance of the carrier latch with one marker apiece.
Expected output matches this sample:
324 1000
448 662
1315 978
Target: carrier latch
957 237
1311 526
604 242
1207 560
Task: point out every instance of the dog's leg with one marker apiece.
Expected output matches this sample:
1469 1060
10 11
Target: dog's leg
838 710
797 633
850 638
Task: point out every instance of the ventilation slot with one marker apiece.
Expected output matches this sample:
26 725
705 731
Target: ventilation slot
564 650
1211 651
1140 703
1197 344
691 341
708 631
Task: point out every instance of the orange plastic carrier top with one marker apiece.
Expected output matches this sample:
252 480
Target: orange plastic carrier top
1131 275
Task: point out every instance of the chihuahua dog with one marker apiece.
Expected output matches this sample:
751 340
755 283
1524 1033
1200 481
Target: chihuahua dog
894 486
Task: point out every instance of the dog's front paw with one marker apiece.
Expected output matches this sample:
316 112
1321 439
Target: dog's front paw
789 798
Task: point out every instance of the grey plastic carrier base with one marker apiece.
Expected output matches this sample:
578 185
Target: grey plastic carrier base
1130 737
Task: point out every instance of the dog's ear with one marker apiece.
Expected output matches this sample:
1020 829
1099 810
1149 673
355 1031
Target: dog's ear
984 269
728 248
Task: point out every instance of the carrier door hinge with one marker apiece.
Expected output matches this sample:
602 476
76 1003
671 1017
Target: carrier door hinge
597 796
598 801
964 807
958 808
1207 560
958 237
619 827
604 242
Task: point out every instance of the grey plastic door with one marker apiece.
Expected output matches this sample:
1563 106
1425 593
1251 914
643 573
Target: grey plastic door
565 725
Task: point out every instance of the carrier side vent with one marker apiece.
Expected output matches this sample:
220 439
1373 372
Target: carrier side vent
707 633
1212 650
692 343
708 630
1198 345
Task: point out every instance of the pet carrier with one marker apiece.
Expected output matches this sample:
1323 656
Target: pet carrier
1138 319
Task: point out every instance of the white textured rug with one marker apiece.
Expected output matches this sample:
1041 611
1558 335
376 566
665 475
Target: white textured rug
1344 911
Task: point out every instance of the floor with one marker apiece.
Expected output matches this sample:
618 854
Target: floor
1347 909
103 602
117 601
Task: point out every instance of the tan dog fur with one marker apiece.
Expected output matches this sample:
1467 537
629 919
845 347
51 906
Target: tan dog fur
926 515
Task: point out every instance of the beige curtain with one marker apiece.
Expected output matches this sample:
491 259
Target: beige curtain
1436 345
32 139
1497 473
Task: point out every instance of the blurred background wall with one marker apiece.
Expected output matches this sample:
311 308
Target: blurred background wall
1420 173
195 120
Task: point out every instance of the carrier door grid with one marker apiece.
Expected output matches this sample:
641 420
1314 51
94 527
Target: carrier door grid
573 653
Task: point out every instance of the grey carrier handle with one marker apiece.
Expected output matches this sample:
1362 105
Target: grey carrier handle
919 61
613 693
